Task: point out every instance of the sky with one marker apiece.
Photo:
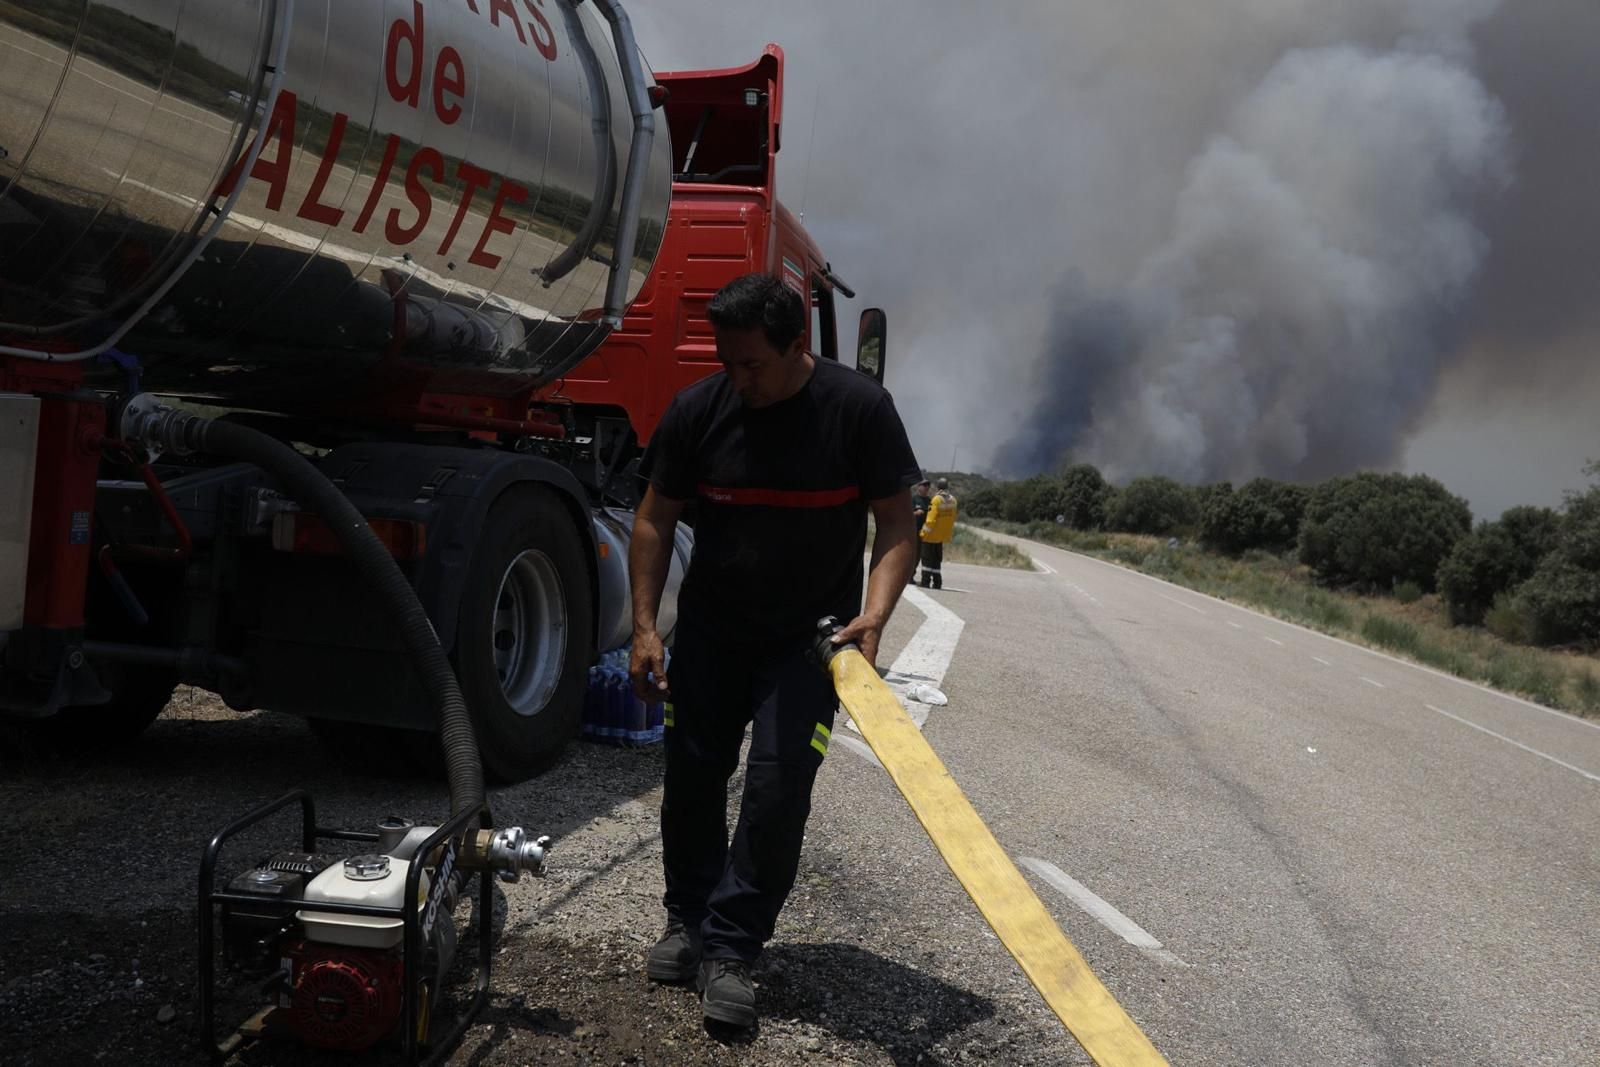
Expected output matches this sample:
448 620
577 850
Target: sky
1292 238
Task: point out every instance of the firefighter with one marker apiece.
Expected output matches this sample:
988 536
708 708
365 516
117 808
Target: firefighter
937 529
783 455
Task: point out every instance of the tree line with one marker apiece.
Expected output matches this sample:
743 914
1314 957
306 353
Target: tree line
1531 576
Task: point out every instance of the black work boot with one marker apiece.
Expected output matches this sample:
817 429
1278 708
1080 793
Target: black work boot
727 995
676 956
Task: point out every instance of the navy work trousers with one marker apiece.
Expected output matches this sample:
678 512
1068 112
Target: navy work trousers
734 891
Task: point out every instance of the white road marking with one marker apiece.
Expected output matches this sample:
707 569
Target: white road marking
1274 640
926 656
859 747
1502 737
1042 565
1081 591
1235 625
1099 910
1369 681
1322 661
1181 604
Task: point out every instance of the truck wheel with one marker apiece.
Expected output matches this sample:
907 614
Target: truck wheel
525 633
138 696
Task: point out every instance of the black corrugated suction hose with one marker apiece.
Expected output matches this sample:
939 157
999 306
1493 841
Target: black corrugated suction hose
315 493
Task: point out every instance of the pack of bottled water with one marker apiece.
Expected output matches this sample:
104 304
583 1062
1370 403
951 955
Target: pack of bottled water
612 714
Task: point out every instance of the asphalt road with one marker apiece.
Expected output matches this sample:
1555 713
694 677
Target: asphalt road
1345 859
1267 844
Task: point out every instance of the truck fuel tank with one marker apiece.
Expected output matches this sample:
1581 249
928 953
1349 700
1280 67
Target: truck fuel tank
434 205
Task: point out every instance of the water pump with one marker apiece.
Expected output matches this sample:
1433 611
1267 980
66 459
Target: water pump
350 947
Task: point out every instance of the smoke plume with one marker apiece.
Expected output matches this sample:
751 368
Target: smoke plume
1295 318
1210 240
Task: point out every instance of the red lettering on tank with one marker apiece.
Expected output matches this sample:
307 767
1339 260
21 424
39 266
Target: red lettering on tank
411 33
544 38
419 196
274 171
497 223
473 179
379 182
497 7
449 77
312 208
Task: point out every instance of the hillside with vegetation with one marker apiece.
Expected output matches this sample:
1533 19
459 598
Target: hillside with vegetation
1390 560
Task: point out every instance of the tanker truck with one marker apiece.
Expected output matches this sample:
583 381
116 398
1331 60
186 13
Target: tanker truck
444 261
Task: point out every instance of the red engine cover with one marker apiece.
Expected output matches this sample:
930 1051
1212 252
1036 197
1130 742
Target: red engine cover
344 998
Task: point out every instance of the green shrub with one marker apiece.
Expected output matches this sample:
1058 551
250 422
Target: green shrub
985 503
1152 505
1587 689
1081 497
1262 515
1562 600
1494 558
1374 530
1407 592
1505 619
1391 633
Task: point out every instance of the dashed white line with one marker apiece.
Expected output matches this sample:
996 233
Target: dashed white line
1081 591
1502 737
1325 663
1181 604
1235 625
1099 910
1272 640
1042 565
1369 681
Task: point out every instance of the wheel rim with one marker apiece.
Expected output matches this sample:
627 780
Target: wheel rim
529 634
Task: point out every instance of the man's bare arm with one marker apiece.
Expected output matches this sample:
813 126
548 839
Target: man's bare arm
894 557
649 558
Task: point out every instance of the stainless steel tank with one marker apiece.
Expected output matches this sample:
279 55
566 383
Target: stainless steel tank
434 207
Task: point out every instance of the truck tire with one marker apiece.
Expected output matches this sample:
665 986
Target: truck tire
139 694
525 633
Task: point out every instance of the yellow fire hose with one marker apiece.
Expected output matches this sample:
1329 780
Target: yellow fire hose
1005 898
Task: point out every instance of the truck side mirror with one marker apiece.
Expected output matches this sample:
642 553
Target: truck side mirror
870 343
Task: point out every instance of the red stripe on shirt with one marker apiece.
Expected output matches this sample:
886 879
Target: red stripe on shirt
782 498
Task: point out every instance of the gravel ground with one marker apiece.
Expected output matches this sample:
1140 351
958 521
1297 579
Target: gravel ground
98 860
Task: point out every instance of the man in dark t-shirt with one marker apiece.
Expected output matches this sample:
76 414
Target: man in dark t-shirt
783 454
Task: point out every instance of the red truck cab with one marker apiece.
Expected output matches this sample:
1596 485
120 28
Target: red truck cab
726 130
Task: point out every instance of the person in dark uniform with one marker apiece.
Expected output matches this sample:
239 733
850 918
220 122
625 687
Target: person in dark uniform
783 454
921 494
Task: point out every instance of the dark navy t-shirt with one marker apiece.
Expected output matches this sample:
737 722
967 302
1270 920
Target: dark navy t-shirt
780 499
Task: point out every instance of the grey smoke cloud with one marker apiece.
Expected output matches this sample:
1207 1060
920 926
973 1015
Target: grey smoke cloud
1294 320
1221 239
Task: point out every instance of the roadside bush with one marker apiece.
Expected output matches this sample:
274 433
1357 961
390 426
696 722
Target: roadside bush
1390 633
1588 691
1407 592
1506 621
984 503
1494 558
1374 530
1081 496
1152 505
1562 600
1034 499
1263 514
